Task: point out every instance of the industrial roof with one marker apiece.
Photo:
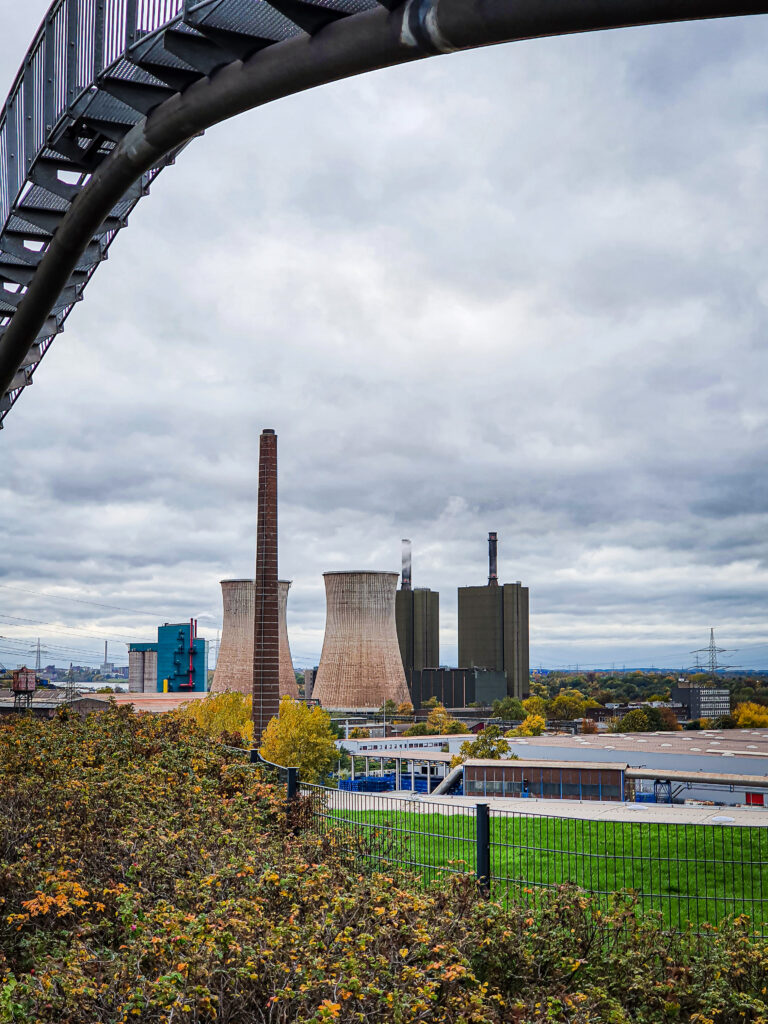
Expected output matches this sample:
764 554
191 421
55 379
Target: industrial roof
478 762
722 742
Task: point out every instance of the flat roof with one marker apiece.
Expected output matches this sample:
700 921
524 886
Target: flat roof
477 762
715 742
751 782
156 702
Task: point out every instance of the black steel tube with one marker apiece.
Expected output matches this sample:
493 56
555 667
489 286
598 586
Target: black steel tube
406 577
349 46
493 560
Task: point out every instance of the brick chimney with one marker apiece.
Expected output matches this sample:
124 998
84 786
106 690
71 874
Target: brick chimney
266 636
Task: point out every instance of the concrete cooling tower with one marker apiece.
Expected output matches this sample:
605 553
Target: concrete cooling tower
234 667
360 666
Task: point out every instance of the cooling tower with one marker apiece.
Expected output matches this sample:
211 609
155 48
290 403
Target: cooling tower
360 666
288 683
234 668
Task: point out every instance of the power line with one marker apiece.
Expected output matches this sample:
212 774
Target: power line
78 600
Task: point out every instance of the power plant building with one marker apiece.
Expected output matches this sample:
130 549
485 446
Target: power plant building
177 663
456 687
360 665
417 616
493 627
234 667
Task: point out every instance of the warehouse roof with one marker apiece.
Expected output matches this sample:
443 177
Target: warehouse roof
478 762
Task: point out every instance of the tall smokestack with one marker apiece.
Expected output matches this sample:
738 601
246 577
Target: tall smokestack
493 568
266 633
406 577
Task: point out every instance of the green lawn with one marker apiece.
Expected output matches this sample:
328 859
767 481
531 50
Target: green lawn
693 873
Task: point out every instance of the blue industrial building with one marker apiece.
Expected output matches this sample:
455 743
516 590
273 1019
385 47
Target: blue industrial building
176 663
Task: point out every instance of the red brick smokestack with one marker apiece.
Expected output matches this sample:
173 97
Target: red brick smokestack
266 635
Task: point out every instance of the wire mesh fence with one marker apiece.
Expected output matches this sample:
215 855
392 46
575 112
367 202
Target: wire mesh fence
693 875
431 840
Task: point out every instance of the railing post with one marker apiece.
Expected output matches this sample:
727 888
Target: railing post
292 785
254 755
291 796
483 837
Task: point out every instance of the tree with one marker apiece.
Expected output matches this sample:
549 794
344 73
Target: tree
489 744
635 720
300 736
509 709
439 721
567 706
536 706
406 708
655 721
669 720
417 729
456 728
359 733
221 715
532 725
431 703
751 716
388 707
589 727
725 722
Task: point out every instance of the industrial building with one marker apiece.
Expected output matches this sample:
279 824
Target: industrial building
703 701
234 666
417 616
456 687
176 663
493 627
547 780
360 665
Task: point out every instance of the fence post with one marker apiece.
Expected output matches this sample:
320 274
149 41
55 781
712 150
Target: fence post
254 754
292 785
291 795
483 837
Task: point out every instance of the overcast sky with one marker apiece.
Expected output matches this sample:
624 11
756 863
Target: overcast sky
521 289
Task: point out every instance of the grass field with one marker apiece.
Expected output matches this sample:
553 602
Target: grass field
691 873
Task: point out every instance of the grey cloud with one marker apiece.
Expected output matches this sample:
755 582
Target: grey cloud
519 289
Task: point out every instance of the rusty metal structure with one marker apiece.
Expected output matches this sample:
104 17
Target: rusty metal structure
110 91
360 665
23 685
234 666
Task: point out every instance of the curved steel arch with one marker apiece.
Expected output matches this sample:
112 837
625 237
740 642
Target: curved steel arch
111 90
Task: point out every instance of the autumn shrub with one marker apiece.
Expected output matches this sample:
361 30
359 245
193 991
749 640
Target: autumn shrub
147 874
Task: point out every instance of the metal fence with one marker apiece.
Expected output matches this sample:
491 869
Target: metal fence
692 875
